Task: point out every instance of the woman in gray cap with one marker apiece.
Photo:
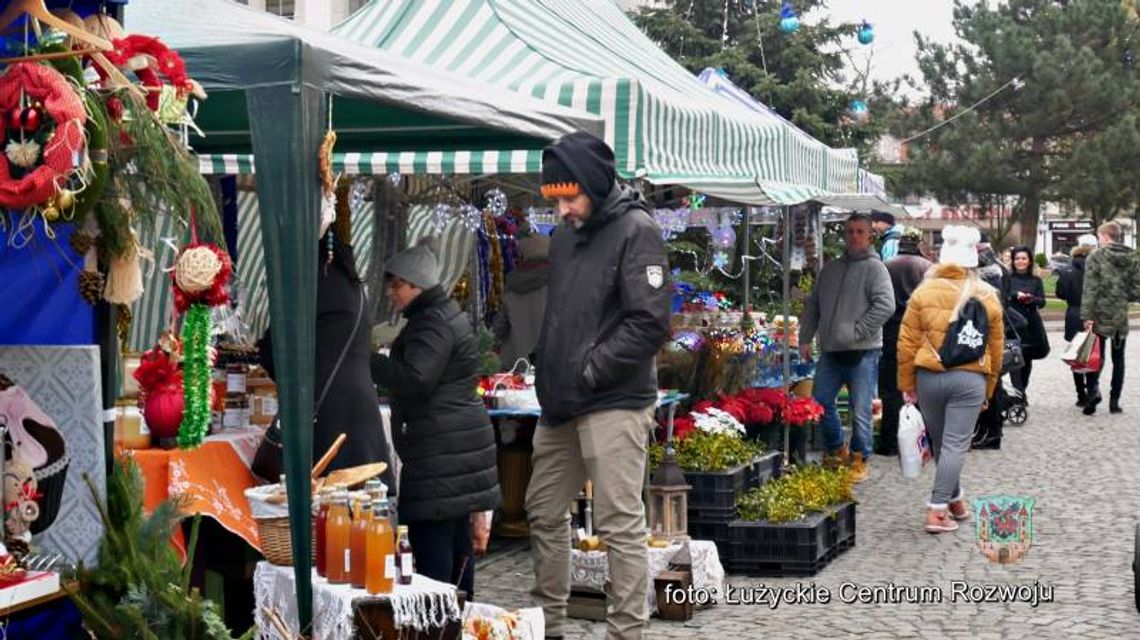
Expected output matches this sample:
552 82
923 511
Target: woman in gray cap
439 425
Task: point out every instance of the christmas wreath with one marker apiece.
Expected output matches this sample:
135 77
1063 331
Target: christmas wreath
151 61
44 137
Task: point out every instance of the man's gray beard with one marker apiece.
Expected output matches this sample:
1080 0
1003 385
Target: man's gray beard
577 224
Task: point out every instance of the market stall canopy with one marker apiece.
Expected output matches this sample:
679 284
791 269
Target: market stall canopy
384 102
663 124
862 202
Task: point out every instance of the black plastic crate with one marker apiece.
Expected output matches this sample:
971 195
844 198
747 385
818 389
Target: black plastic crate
719 489
712 514
765 548
766 467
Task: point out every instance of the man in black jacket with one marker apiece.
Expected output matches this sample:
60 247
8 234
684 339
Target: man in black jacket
607 314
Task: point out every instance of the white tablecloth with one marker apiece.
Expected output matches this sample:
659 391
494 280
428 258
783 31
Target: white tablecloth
590 569
245 441
423 604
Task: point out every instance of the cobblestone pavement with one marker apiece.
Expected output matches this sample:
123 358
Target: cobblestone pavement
1081 470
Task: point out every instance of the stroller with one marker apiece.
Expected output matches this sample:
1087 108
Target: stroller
1014 409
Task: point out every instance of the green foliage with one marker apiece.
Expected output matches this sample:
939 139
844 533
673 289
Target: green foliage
151 173
1042 260
799 74
140 586
1058 108
489 361
701 451
792 496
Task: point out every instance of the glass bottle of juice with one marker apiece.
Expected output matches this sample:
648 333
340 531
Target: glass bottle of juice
360 520
338 531
380 551
324 498
404 565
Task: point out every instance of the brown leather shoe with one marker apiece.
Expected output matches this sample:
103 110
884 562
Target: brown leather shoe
859 471
939 521
841 457
958 510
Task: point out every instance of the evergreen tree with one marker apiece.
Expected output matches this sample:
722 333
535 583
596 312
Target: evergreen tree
800 74
1057 115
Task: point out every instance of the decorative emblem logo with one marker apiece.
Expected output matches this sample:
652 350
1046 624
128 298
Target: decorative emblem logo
656 275
1003 527
969 336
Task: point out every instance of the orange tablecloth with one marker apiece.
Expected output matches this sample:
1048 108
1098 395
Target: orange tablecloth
212 480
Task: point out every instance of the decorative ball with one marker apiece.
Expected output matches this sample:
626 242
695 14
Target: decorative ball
66 199
30 119
163 412
196 269
866 33
51 214
859 110
790 25
12 118
724 237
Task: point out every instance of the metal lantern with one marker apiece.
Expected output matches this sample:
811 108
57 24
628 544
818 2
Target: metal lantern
669 499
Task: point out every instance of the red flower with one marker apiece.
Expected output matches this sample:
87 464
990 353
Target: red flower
760 413
683 427
703 406
803 411
734 407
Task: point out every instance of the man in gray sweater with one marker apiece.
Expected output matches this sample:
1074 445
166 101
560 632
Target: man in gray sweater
852 300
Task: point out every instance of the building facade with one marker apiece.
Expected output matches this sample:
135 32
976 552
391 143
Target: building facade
319 14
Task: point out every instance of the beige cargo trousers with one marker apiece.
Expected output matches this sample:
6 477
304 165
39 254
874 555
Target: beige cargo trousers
609 448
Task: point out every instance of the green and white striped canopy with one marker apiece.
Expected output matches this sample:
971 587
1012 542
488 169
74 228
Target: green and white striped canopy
486 161
663 124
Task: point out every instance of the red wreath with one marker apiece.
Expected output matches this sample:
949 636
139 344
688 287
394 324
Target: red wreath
169 65
216 295
36 82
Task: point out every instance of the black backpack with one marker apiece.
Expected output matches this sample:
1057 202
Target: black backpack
966 337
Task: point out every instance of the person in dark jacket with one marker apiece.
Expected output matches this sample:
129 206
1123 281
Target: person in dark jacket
907 270
1070 287
519 321
439 425
344 321
607 314
1026 295
989 427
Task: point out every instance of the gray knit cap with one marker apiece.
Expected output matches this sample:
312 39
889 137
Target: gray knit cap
417 265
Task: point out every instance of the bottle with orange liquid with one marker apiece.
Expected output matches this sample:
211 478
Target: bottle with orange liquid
324 500
380 551
361 517
338 532
404 563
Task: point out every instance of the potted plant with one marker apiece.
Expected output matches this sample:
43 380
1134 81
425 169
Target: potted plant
794 525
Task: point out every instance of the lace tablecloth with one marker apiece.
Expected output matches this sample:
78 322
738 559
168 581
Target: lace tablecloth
590 569
422 605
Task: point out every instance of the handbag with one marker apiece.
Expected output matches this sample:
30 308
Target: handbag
1012 357
269 460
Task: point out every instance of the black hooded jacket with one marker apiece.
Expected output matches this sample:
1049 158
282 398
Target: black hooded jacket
439 426
608 301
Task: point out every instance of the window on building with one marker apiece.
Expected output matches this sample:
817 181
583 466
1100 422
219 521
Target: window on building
355 5
283 8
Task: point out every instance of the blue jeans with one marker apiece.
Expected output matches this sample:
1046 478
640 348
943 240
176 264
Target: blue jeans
860 378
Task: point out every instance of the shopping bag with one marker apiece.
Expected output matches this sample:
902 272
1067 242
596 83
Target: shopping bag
1090 361
914 446
1073 351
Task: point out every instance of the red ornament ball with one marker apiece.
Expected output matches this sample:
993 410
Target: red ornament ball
163 412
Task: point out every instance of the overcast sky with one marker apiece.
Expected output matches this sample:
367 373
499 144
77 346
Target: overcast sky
895 22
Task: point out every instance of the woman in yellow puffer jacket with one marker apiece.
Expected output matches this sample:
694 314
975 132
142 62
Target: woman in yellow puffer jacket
950 400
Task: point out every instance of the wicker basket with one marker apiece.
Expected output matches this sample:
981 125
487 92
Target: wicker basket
277 541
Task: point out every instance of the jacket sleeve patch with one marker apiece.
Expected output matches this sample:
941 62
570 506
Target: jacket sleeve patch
655 275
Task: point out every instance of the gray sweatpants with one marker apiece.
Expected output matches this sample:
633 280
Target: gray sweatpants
950 403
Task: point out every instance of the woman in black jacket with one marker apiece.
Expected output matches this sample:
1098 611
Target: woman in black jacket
1027 296
1070 284
439 425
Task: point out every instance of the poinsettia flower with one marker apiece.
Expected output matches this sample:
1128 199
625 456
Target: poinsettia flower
683 427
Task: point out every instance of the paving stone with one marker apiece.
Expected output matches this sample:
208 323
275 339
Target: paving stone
1079 469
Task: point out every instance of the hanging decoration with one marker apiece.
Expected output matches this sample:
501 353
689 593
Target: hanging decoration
723 240
789 21
859 111
44 141
866 33
152 62
200 275
497 202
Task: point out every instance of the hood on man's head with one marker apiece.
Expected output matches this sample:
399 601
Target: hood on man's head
576 163
417 265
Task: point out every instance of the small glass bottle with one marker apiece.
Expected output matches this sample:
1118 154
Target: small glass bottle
405 567
361 518
338 532
380 549
324 500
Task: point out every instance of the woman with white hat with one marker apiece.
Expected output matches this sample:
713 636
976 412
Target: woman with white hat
950 357
1070 285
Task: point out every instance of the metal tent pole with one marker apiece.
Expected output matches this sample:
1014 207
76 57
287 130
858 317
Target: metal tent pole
787 311
744 262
